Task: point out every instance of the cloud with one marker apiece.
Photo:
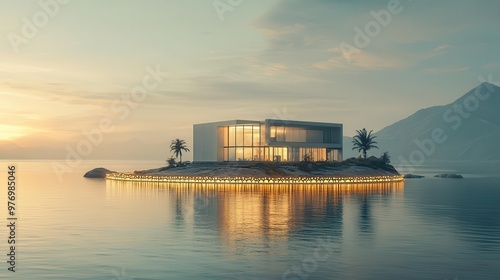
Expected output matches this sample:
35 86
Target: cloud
304 34
265 68
283 30
57 93
22 68
441 48
297 31
438 51
362 60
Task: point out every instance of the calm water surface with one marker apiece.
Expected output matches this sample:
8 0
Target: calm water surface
92 229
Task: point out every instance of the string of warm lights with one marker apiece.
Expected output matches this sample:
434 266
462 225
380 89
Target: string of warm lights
253 180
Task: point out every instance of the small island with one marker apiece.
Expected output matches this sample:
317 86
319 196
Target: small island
353 170
311 152
452 176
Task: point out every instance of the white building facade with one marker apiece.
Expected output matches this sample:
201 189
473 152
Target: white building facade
269 140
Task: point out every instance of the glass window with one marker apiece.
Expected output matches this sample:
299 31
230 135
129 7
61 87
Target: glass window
314 136
327 135
280 133
295 134
278 154
256 154
225 136
294 154
226 155
337 155
239 136
285 154
239 154
247 139
269 153
256 135
247 153
232 135
232 154
263 133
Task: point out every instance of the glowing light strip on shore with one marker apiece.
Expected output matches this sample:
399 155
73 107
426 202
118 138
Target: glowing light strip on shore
253 180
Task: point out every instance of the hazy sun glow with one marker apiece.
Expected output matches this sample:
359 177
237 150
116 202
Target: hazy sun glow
10 132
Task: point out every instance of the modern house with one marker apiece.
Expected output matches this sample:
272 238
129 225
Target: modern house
269 140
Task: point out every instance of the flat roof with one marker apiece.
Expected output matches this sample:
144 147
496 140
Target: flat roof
272 122
301 123
229 122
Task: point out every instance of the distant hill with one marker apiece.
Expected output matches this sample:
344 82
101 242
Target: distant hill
467 130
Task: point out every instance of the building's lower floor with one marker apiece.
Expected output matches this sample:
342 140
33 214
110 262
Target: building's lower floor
278 154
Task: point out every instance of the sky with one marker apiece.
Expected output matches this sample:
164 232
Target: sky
141 73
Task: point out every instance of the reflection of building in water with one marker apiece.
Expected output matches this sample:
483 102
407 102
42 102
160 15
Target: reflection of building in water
244 213
279 211
254 212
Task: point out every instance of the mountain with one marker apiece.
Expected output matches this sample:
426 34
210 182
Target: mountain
467 130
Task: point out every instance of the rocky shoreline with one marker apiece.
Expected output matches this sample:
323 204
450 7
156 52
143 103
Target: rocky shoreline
99 172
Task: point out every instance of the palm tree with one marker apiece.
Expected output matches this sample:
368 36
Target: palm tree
363 141
177 146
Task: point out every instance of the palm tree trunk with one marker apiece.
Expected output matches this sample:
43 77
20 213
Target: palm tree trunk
364 154
180 162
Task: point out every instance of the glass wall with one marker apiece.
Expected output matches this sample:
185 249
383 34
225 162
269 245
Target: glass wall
243 143
298 154
299 134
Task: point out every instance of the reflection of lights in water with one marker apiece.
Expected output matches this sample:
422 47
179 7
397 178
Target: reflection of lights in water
250 209
253 217
132 188
253 180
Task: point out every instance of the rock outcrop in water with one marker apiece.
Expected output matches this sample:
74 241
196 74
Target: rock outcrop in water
99 172
454 176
